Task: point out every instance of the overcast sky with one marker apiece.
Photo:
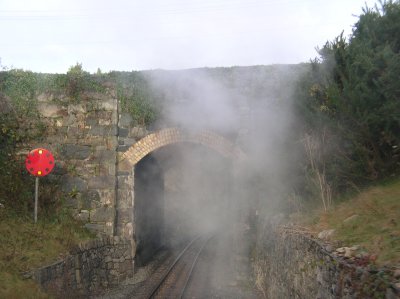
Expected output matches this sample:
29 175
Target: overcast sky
52 35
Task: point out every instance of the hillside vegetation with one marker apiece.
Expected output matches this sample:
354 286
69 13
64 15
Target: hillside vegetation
368 220
350 107
351 137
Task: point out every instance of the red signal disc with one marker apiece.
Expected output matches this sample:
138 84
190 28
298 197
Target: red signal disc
40 162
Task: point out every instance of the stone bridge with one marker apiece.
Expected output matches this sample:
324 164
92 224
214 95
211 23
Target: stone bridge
100 155
97 148
152 142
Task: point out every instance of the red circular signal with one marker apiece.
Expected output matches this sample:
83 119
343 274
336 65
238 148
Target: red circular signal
39 162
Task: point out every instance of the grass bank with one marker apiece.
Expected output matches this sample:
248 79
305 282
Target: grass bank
370 219
25 245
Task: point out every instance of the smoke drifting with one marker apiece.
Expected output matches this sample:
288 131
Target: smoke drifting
252 107
203 191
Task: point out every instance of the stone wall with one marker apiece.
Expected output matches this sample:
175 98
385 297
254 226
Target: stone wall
83 138
297 266
91 267
128 134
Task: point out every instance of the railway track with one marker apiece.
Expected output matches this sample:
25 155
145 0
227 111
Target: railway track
174 282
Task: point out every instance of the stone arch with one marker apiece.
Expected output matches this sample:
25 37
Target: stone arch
125 197
168 136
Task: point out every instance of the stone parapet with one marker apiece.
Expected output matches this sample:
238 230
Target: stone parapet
90 267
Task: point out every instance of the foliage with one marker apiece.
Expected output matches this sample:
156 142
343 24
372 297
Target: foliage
19 123
77 81
20 87
136 97
353 93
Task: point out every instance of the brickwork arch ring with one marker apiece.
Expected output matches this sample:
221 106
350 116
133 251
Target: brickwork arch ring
168 136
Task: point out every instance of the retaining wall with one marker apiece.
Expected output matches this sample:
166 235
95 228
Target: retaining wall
297 266
89 268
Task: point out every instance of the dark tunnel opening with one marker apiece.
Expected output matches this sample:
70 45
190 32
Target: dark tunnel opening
149 209
181 190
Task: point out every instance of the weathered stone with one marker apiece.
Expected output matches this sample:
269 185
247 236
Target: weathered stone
124 165
125 198
58 169
125 120
102 182
107 196
123 173
112 169
348 252
127 231
91 121
124 182
105 122
124 215
122 148
74 184
103 214
138 132
96 227
108 104
122 132
396 273
129 141
98 130
105 155
51 110
74 151
341 250
326 234
114 130
92 195
76 108
397 286
73 137
83 215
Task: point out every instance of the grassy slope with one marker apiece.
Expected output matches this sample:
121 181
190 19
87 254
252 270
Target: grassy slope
24 246
377 226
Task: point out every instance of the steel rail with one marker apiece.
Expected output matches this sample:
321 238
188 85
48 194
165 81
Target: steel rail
178 258
192 267
164 277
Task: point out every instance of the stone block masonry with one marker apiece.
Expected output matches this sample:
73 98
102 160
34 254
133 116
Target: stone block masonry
83 139
90 268
297 266
128 157
96 147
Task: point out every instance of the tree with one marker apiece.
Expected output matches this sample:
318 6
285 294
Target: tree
355 91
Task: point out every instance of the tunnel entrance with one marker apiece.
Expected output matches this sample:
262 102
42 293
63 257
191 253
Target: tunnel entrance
181 190
197 191
149 209
182 181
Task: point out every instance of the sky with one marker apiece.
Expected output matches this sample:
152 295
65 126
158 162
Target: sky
50 36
